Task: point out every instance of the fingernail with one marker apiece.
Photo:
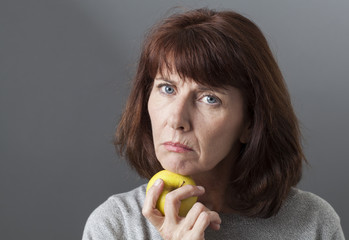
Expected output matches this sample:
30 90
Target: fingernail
202 189
157 182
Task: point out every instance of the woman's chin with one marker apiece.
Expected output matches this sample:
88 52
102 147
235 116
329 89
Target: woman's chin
177 167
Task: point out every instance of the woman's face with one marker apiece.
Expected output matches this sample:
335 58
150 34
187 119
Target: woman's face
194 127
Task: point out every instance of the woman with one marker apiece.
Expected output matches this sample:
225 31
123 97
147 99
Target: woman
209 101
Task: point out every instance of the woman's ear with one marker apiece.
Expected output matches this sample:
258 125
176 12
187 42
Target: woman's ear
246 133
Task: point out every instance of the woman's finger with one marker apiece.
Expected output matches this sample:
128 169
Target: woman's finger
193 215
149 208
201 224
215 220
205 219
195 212
174 198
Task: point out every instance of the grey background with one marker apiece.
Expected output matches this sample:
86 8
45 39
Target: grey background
65 68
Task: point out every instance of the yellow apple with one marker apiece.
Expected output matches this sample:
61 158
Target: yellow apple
173 181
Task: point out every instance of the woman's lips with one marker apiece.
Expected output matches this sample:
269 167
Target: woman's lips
177 147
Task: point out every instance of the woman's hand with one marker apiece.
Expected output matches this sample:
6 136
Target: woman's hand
171 226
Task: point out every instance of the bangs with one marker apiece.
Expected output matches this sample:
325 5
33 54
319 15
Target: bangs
196 53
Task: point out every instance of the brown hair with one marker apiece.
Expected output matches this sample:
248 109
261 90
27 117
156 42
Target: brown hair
219 49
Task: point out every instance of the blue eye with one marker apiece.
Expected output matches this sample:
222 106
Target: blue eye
210 99
168 89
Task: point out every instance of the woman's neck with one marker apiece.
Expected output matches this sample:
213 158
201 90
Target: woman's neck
216 184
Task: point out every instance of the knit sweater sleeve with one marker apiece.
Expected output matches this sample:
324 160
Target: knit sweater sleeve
105 222
338 234
327 224
120 217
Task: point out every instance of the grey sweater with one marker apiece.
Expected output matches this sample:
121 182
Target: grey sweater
302 216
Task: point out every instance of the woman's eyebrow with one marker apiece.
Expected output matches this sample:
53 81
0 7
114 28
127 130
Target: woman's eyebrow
205 88
165 79
201 88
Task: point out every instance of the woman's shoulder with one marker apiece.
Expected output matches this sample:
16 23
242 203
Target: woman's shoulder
303 215
119 215
132 198
307 202
128 202
312 211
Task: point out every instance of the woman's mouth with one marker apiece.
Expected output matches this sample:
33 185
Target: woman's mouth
177 147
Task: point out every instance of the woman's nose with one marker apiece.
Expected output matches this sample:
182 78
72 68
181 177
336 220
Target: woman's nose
179 117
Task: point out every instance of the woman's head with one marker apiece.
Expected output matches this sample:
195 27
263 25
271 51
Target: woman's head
195 128
221 50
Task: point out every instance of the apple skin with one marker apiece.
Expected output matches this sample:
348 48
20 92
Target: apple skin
173 181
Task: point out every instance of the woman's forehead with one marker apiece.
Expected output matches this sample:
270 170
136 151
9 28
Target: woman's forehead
175 79
172 76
